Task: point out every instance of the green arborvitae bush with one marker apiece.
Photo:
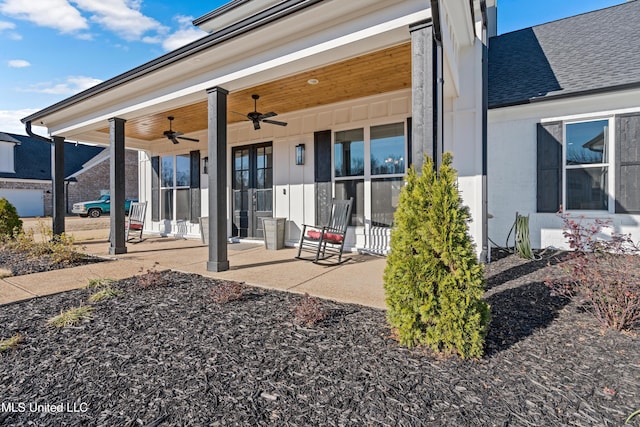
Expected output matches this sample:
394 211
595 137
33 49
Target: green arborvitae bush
433 281
10 222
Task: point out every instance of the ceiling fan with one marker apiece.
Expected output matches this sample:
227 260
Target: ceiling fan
174 136
257 117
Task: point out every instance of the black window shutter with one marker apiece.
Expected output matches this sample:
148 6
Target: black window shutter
549 166
322 174
155 188
195 185
627 163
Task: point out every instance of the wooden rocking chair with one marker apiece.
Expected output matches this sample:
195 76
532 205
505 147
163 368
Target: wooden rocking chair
135 222
327 241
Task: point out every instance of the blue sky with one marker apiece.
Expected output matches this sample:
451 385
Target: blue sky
52 49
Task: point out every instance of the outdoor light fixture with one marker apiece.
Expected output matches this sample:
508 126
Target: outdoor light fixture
300 154
205 165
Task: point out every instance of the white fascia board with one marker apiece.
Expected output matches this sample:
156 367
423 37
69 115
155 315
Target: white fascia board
303 59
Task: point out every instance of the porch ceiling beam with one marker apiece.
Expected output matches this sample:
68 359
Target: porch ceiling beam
217 140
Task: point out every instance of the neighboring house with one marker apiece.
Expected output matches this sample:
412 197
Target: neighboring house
25 173
564 124
366 87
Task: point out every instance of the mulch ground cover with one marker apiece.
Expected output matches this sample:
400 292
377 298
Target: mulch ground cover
21 263
168 355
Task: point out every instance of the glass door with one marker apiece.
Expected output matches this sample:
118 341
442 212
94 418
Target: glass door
252 188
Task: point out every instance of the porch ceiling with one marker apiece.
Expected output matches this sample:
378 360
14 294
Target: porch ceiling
374 73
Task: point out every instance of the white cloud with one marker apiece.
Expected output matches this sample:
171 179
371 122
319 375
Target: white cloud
70 86
121 17
186 34
10 120
57 14
5 25
18 63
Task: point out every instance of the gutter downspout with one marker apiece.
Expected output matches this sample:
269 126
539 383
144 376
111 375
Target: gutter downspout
57 178
438 83
485 254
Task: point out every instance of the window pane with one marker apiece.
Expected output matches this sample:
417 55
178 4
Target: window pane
183 203
166 170
241 159
166 203
587 188
349 153
587 142
353 188
387 149
384 200
264 200
183 170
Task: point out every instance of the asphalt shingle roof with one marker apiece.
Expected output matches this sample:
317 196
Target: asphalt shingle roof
33 157
594 51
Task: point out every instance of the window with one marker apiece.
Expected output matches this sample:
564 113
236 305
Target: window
175 180
387 171
6 157
586 165
375 154
349 170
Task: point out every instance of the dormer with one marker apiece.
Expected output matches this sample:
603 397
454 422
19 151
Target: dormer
231 13
7 153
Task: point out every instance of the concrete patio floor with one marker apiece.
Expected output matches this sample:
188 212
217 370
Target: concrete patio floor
358 280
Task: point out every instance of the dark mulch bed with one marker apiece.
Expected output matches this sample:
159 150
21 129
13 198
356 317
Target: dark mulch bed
21 263
170 356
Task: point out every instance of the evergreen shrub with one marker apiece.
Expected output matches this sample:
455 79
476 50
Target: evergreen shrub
10 222
433 282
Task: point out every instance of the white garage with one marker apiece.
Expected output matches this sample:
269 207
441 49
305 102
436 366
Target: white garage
27 202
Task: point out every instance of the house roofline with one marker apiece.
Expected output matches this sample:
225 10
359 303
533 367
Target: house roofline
585 92
286 8
219 11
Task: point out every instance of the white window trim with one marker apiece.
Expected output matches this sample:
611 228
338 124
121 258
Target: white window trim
610 165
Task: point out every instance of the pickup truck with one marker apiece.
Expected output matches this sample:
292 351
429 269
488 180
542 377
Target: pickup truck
95 208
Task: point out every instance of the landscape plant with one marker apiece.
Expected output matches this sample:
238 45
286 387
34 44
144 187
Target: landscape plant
104 294
433 282
309 310
11 343
602 270
226 291
10 222
72 317
152 278
60 248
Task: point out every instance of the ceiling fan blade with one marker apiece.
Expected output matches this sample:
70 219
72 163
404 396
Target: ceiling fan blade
275 122
256 124
267 115
173 139
235 112
186 138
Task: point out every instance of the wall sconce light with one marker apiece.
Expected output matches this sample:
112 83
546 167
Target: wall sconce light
300 154
205 165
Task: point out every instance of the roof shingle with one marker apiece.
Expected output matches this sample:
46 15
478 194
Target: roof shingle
598 50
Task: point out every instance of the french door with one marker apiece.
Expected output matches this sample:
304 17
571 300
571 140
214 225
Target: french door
252 173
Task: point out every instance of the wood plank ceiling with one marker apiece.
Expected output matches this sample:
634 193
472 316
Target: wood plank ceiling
378 72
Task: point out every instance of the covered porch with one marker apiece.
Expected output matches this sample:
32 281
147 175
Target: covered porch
326 69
